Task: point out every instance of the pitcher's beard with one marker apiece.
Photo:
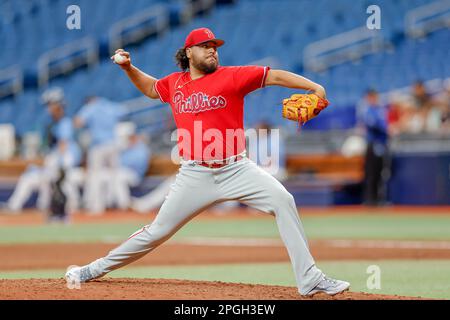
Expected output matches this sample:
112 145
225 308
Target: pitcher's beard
206 67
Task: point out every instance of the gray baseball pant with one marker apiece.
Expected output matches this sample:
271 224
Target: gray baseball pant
195 189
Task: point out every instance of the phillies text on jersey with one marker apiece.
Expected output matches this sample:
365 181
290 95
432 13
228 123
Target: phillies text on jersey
217 101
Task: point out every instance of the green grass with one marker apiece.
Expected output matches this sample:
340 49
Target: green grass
381 226
427 278
384 226
61 233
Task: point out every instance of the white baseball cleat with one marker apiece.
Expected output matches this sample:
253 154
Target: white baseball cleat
329 286
77 274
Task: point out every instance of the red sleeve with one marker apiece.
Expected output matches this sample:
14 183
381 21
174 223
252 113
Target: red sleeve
250 78
162 88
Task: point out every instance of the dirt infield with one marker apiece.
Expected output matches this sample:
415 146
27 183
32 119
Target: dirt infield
192 251
49 256
160 289
53 256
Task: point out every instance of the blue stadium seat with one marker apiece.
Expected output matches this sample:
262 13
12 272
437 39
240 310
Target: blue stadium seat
252 30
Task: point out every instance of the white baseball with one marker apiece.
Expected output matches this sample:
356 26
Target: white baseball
119 59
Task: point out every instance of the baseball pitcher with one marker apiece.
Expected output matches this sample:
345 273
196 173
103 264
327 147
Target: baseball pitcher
207 102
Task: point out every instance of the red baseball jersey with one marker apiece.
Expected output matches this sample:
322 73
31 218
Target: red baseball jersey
209 111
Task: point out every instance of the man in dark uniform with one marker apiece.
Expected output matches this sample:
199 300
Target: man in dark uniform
374 119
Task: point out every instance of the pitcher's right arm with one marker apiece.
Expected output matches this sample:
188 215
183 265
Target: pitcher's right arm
142 81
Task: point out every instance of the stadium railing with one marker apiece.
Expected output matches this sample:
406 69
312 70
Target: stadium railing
138 27
192 8
425 19
66 58
343 47
11 81
152 21
149 116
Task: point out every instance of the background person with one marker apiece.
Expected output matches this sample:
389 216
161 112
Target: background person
134 162
374 119
62 155
100 117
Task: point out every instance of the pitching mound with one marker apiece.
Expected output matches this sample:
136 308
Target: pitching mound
161 289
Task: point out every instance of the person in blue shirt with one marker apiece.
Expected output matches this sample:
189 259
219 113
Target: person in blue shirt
374 119
62 154
100 117
136 156
134 163
59 132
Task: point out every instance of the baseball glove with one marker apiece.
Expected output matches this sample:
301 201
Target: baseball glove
303 107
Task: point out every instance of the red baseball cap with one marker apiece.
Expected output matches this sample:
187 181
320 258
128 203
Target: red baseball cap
201 35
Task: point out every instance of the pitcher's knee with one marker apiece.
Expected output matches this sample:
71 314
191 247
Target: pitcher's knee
283 198
159 233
